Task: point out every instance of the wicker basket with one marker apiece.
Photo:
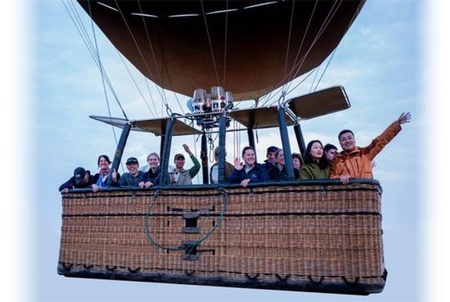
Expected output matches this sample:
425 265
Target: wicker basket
308 236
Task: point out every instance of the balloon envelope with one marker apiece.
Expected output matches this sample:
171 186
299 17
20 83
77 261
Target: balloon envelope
249 50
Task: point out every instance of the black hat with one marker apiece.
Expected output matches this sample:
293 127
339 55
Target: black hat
132 160
272 149
78 174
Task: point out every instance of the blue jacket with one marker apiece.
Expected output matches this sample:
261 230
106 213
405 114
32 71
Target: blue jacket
257 174
103 183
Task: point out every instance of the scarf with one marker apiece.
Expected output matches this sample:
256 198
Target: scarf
103 172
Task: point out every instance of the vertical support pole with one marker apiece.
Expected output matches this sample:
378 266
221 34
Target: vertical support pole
285 142
251 138
204 158
222 147
119 150
300 139
166 151
161 146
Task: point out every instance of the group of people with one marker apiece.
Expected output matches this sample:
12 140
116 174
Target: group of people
134 177
318 162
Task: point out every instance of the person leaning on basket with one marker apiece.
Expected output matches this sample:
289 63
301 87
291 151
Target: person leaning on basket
134 177
154 169
81 179
100 179
356 162
249 171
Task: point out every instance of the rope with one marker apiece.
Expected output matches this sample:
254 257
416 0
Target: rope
209 42
139 48
139 90
93 48
102 69
225 48
285 89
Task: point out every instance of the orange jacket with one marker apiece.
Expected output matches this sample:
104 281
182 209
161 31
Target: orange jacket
358 163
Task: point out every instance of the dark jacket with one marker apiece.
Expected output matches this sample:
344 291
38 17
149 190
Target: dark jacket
278 175
154 177
128 180
257 174
71 184
268 165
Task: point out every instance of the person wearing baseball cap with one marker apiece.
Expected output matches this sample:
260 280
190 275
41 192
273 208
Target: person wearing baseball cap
178 156
81 179
271 158
134 177
181 176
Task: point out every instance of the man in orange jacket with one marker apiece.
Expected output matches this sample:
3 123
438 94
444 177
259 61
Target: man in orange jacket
356 162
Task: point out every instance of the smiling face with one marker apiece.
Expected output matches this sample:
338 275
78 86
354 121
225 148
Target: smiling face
133 168
347 141
249 157
153 161
103 163
179 163
316 151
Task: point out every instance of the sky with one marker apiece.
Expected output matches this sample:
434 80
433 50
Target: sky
391 61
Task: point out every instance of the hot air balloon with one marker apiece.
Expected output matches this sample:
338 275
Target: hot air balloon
318 236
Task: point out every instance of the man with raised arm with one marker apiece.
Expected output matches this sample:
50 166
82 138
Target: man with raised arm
181 176
356 162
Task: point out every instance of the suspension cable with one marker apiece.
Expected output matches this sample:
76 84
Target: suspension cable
95 53
210 43
296 68
161 92
285 89
164 104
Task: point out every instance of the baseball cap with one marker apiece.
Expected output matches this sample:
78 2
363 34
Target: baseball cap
79 173
132 160
178 155
272 149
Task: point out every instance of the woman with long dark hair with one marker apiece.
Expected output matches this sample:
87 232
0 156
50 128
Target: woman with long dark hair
316 164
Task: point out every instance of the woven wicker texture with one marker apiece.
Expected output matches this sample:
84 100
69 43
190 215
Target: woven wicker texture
306 237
